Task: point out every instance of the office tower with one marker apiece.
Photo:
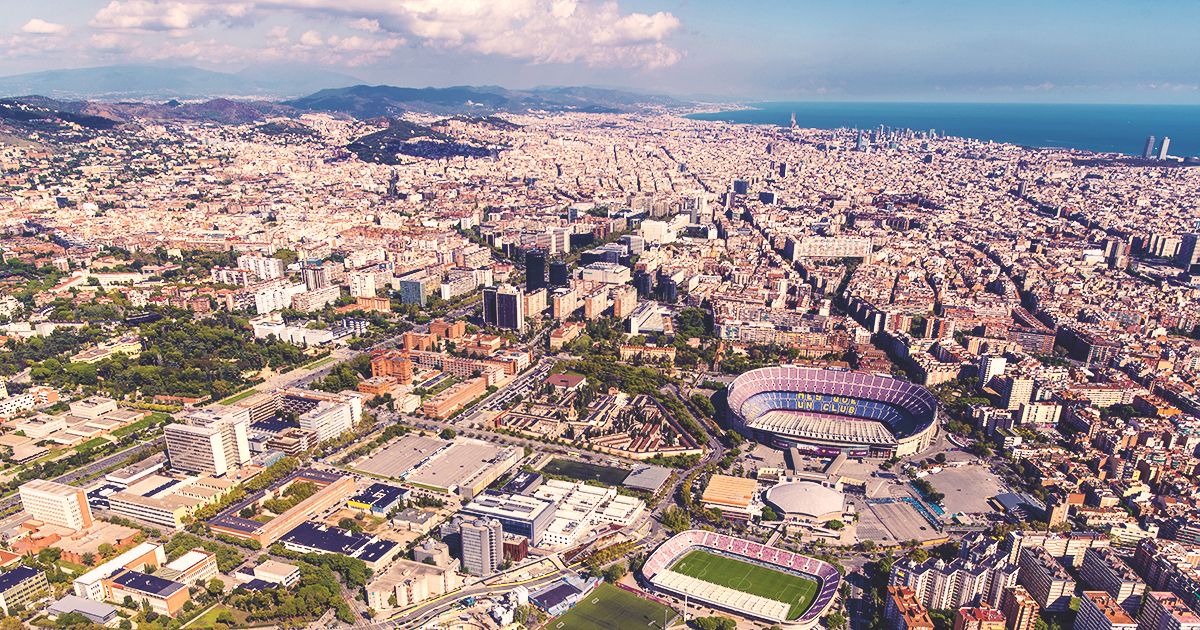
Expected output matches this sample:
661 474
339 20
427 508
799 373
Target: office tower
1019 608
504 307
315 275
644 283
482 546
56 503
210 442
978 618
560 273
489 306
1163 150
535 269
990 366
1189 252
668 290
1099 611
1148 150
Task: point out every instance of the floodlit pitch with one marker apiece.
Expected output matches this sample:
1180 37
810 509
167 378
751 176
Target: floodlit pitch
758 580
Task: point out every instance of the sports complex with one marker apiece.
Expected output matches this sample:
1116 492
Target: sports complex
825 411
748 578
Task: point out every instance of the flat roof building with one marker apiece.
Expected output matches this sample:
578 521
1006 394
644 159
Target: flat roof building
213 442
165 597
56 503
731 495
90 584
20 586
518 514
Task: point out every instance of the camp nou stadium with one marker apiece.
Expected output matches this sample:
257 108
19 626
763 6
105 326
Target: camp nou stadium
827 411
764 583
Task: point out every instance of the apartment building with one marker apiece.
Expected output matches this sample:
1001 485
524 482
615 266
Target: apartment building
1046 579
904 612
1104 570
1100 611
1019 608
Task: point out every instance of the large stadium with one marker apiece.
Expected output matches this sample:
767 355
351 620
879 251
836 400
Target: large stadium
748 578
825 411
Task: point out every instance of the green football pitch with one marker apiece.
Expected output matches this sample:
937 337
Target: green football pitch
750 578
611 608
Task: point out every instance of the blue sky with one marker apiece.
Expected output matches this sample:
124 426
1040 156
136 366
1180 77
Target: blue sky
1144 51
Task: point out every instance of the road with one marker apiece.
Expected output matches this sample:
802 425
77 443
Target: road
11 501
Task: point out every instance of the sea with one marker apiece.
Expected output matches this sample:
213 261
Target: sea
1100 128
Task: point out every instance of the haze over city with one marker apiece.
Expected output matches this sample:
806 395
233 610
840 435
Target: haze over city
1071 51
599 315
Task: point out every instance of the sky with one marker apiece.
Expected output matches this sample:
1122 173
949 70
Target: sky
1135 51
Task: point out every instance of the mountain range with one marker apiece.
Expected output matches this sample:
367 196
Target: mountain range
326 92
126 82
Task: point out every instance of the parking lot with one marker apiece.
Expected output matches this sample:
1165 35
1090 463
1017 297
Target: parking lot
967 489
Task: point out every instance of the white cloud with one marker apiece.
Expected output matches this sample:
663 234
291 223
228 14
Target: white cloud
592 32
38 26
158 15
364 24
311 38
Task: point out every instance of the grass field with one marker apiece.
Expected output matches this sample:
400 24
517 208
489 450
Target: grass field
750 578
611 608
317 363
239 396
584 471
152 419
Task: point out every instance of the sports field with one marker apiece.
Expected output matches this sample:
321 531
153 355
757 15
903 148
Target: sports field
611 608
750 578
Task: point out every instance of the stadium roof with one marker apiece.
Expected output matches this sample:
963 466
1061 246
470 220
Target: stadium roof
806 498
648 477
726 490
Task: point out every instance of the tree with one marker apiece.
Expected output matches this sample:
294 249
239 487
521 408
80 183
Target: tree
215 587
615 572
835 621
676 519
769 514
447 434
835 525
714 623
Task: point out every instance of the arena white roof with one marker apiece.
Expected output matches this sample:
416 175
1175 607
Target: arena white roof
805 498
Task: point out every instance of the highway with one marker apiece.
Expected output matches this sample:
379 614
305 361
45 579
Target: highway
12 500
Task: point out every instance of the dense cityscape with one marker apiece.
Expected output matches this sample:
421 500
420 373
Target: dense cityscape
586 361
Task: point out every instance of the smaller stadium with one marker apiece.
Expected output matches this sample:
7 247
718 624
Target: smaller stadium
744 577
